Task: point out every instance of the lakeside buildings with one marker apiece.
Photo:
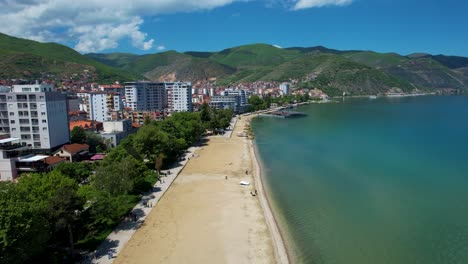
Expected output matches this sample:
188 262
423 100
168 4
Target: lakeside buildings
158 96
145 96
34 121
36 115
237 100
179 97
99 105
284 88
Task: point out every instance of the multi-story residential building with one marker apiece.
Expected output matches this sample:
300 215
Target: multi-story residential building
114 88
179 96
284 88
146 96
243 95
99 106
139 117
36 115
225 102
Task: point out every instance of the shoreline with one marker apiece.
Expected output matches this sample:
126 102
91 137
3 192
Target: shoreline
282 255
206 201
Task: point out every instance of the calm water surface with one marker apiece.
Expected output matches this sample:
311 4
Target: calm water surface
371 181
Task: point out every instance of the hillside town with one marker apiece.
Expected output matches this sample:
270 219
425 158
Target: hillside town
37 118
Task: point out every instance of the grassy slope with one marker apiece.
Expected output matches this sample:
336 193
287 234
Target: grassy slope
254 55
16 64
421 70
361 69
117 60
59 53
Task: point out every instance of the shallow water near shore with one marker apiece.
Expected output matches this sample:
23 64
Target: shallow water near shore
371 181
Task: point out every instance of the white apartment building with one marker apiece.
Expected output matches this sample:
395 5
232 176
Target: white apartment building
99 106
36 115
284 88
243 96
146 96
179 97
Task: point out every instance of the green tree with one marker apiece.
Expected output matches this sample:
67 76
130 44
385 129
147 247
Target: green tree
205 114
78 171
24 229
256 103
151 142
54 196
95 142
117 178
78 135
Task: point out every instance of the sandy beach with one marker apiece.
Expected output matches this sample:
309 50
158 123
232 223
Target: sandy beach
206 218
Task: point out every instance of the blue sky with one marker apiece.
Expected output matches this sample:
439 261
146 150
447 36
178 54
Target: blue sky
210 25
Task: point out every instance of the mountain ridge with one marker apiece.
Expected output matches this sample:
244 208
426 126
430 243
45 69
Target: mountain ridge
335 71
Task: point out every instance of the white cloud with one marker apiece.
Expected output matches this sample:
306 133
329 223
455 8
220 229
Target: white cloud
161 47
303 4
93 25
277 46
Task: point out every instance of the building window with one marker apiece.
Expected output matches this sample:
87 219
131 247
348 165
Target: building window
44 129
41 97
12 114
13 129
12 121
42 113
44 121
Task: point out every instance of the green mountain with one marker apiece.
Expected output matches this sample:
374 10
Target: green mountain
334 71
254 55
21 58
421 70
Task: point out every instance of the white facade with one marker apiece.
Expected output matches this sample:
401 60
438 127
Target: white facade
28 88
100 105
116 131
146 96
179 97
38 119
284 88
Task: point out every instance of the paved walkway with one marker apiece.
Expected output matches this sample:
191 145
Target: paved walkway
116 240
229 130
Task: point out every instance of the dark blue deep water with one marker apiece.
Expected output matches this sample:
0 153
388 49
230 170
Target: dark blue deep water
371 181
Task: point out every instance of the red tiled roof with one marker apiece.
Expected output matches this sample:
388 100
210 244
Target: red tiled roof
75 148
52 160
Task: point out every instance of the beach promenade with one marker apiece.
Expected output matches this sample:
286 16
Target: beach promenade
206 216
116 240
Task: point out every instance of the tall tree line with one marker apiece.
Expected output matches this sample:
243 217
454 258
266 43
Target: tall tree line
48 217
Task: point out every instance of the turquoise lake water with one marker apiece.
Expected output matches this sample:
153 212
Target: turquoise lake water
371 181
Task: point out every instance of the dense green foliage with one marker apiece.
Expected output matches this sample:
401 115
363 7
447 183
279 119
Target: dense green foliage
51 58
47 217
215 119
95 141
78 135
